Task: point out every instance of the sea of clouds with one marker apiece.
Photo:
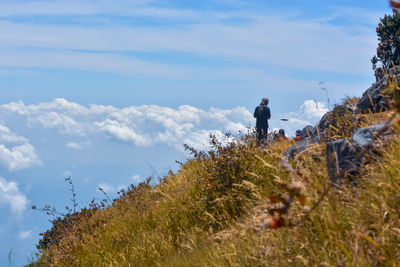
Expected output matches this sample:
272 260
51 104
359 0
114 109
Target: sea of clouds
136 126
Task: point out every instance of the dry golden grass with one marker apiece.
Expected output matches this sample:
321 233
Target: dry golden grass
211 213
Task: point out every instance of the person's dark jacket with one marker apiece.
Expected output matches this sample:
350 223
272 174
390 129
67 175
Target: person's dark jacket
262 114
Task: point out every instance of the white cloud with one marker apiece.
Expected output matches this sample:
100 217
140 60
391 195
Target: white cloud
15 151
122 132
24 234
65 123
79 145
146 125
309 113
312 109
6 136
19 157
149 125
137 125
200 140
10 194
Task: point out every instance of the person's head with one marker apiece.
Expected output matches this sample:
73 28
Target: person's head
265 101
298 132
281 132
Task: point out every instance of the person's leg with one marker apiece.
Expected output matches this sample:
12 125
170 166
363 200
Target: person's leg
264 135
259 135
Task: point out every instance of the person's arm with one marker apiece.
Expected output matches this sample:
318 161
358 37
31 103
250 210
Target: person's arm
268 113
256 112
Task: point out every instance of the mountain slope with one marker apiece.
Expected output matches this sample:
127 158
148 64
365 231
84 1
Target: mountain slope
215 212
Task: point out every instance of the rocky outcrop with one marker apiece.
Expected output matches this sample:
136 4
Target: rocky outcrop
374 99
346 155
343 154
308 135
339 115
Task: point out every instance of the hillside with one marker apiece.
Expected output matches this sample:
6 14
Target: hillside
236 205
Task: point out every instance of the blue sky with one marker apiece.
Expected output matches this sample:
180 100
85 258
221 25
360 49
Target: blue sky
107 91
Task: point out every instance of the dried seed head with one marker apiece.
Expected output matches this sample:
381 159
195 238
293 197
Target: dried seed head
296 188
267 223
306 208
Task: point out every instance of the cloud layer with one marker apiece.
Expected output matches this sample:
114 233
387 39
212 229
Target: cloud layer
141 126
77 127
16 152
10 195
146 125
312 109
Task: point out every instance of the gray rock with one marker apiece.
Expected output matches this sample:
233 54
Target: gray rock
311 133
373 99
308 135
340 156
344 155
330 118
365 136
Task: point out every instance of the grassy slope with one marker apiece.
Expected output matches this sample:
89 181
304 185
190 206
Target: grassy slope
210 212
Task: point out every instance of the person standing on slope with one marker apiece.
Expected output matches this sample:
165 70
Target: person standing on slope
262 114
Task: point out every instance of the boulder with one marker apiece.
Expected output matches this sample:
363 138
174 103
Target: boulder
344 155
373 99
324 123
346 110
308 135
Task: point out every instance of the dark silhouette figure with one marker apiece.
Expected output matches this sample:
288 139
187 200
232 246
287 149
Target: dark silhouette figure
282 134
262 114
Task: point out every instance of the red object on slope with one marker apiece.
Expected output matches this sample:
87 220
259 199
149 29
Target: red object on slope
395 3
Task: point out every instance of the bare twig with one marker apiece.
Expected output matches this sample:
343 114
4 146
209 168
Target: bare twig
49 210
73 199
104 192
